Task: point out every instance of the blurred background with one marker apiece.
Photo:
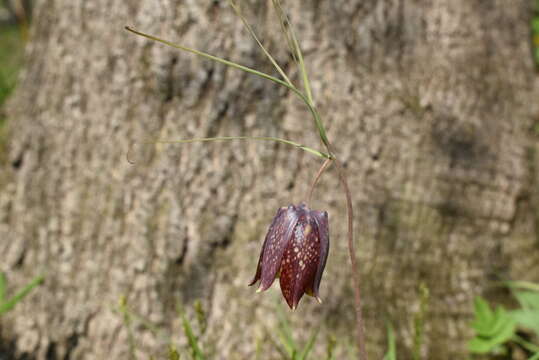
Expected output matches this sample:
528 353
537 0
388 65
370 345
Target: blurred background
431 106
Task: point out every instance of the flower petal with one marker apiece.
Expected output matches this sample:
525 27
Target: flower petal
277 239
259 266
322 229
301 259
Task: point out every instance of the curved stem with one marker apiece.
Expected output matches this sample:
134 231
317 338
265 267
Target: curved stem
315 181
353 259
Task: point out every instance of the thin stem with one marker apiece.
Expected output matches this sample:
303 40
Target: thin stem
318 175
353 260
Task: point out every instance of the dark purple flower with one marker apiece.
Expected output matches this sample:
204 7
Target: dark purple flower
295 250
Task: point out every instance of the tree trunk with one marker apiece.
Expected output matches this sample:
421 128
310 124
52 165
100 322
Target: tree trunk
429 104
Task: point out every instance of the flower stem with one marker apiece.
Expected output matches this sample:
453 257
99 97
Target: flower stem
353 259
318 175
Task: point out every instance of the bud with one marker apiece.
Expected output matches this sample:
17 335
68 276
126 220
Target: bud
295 250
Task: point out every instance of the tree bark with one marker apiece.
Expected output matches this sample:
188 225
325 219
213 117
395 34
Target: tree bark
430 105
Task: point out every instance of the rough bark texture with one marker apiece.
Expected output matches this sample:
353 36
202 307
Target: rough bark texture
429 104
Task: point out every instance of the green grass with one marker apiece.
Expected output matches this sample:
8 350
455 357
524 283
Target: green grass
11 51
11 56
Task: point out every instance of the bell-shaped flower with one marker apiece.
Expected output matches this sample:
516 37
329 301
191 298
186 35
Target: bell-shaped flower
295 250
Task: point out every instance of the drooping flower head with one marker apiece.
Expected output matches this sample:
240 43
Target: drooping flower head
295 250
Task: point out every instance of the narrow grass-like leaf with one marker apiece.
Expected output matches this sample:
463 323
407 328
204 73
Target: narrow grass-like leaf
192 339
283 21
305 99
146 324
531 347
228 138
419 321
281 347
287 342
534 357
391 344
3 285
525 285
293 42
309 346
291 35
237 10
285 333
212 57
10 304
126 318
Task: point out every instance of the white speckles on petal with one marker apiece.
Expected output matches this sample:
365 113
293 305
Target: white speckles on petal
295 250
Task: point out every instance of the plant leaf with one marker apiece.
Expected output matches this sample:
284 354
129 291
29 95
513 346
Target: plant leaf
288 29
228 138
305 99
528 319
527 299
391 344
10 304
492 328
309 346
192 339
212 57
523 285
285 334
3 285
253 34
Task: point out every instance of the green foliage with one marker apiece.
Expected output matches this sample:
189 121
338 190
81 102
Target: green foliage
419 320
492 328
8 304
391 344
498 329
196 351
11 46
173 353
132 320
288 347
528 315
11 50
332 342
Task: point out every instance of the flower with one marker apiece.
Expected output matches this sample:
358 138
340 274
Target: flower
295 250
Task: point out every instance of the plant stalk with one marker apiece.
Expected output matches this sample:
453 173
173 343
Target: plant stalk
317 177
353 260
